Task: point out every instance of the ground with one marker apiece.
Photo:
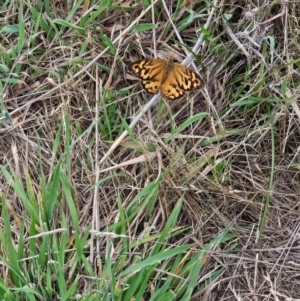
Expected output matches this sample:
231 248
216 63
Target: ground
195 199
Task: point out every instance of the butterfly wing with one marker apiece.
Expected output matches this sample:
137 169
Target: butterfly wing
171 88
186 78
181 79
151 72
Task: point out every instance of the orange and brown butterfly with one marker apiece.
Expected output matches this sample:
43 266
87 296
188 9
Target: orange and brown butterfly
165 76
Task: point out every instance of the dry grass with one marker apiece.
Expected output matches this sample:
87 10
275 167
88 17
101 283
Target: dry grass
223 186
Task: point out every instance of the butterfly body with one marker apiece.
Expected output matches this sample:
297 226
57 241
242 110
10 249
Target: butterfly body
169 78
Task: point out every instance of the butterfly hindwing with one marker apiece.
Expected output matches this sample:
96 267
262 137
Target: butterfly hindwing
151 86
171 89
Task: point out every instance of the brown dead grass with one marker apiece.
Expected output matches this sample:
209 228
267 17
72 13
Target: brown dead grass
253 160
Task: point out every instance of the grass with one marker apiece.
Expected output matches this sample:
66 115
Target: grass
194 199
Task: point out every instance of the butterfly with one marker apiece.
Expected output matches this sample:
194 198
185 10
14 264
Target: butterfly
165 76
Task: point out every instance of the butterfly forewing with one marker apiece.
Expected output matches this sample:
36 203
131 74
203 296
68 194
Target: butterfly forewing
186 78
148 69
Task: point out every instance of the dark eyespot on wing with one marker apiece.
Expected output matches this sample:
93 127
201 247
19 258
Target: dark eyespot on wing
136 67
